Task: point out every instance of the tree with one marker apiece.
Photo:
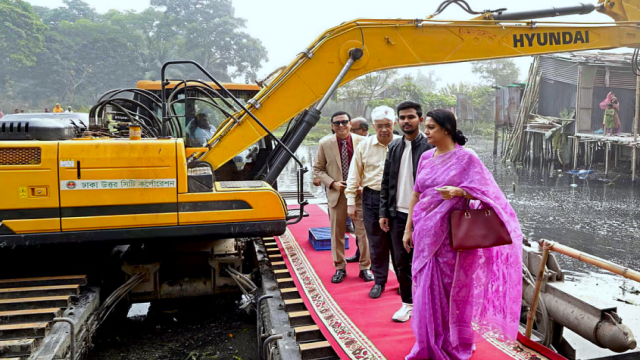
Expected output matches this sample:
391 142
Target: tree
482 96
452 89
73 11
361 91
73 54
213 37
496 72
22 35
151 39
434 100
368 86
428 83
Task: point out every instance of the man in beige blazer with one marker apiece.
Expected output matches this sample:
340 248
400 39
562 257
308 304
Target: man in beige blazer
332 168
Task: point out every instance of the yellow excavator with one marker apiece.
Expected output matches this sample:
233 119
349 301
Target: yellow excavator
76 183
170 181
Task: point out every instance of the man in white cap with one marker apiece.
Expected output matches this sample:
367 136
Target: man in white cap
365 172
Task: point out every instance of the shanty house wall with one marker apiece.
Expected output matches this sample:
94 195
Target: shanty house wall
556 96
559 89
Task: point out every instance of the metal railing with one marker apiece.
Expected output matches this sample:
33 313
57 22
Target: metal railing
548 246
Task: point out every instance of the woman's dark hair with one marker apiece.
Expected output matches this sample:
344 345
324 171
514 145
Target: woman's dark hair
447 120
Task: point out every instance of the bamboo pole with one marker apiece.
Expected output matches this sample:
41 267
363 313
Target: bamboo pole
593 260
514 149
536 294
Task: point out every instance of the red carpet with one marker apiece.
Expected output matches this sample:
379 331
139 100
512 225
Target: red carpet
357 326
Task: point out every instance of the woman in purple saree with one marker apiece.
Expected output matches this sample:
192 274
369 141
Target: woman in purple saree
458 296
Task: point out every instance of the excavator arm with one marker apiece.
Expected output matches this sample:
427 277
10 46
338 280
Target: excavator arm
389 44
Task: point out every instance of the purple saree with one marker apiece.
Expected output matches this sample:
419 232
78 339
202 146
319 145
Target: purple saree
460 296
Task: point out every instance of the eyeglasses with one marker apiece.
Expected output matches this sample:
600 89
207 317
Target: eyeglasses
384 126
341 123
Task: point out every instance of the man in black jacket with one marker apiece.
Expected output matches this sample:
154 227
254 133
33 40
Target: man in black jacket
398 180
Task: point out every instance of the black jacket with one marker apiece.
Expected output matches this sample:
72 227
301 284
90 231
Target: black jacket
392 167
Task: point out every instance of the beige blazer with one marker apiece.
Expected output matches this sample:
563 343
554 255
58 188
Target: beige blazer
328 166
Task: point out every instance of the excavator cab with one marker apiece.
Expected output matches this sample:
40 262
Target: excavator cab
116 184
198 112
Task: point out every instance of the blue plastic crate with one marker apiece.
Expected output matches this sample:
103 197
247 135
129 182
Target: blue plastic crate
320 238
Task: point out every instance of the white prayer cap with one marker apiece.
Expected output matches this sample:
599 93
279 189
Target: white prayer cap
383 113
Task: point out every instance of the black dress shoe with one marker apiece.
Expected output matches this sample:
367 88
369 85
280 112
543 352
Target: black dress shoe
366 275
339 276
376 291
353 259
351 229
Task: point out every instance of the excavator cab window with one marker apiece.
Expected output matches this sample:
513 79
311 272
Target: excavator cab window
197 108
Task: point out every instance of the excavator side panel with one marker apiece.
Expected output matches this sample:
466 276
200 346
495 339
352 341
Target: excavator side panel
110 184
233 206
29 187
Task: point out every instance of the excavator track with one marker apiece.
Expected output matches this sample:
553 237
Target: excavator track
28 308
286 313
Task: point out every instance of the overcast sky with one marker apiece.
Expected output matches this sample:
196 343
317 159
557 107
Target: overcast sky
286 27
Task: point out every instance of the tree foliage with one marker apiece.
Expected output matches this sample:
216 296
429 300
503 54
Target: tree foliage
22 35
72 54
483 97
387 88
496 72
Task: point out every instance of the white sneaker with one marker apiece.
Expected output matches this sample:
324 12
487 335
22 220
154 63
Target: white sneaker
404 314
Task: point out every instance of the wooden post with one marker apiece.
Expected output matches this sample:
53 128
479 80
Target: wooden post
578 98
634 148
495 139
606 158
634 154
635 119
576 144
536 294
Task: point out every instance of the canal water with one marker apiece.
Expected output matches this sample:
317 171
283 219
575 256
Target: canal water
588 214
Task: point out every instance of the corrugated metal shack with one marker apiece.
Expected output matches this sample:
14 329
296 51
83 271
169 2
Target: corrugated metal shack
577 83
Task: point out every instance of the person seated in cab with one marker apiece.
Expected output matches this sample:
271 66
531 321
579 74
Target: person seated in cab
199 131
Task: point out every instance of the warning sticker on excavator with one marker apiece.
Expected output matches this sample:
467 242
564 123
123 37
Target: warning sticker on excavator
22 192
67 163
115 184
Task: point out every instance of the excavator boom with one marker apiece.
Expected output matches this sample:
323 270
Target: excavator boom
389 44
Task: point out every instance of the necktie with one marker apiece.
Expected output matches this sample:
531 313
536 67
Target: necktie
344 155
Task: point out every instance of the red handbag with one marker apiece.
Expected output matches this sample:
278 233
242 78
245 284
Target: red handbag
477 229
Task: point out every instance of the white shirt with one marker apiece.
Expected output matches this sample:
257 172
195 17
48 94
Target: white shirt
366 167
405 180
